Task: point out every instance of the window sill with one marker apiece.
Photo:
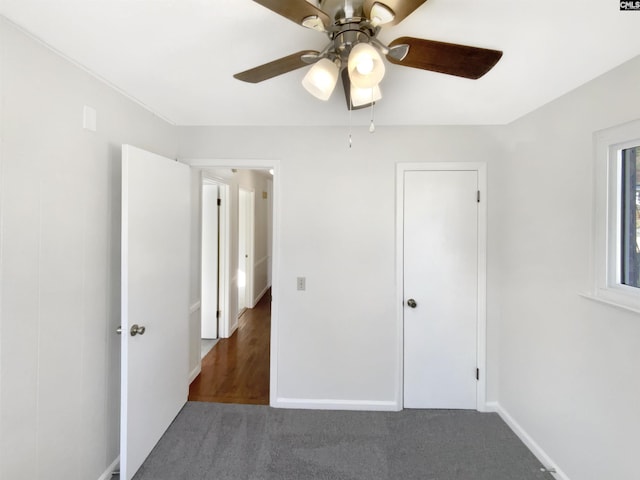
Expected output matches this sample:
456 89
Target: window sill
612 303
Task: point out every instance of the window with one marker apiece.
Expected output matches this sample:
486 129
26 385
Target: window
617 216
630 217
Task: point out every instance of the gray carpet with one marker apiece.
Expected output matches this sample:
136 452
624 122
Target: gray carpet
244 442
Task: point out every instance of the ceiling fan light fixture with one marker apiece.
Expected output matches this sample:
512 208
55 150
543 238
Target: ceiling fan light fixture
365 66
314 23
381 14
365 96
321 79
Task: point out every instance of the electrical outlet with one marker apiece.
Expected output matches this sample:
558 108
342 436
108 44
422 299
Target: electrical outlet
301 283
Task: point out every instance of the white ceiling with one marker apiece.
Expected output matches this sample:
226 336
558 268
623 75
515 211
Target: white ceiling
177 57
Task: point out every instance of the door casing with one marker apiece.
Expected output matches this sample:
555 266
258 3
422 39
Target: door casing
481 169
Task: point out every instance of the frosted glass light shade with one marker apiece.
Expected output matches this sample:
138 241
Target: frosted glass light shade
365 66
313 22
321 79
381 14
363 96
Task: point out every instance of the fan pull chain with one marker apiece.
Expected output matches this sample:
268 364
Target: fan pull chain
372 126
350 109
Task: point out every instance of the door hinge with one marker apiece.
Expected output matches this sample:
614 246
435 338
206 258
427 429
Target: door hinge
478 196
218 313
477 374
219 201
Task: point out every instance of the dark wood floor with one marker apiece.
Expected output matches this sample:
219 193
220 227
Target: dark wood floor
236 370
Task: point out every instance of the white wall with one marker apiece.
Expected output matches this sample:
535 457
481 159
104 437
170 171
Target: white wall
59 261
569 367
337 340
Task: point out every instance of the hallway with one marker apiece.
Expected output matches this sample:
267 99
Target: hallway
236 370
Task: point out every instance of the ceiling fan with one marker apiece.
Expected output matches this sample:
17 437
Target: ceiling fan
355 53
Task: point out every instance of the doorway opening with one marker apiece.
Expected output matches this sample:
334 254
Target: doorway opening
239 368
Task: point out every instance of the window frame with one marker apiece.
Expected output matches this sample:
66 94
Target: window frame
608 286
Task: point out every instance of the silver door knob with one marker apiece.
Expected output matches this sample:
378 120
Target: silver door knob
412 303
137 330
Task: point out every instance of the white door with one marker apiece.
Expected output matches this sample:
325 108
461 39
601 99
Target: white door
440 288
210 261
155 296
243 248
246 201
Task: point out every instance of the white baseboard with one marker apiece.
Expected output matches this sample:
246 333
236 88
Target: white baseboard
260 295
108 473
329 404
194 307
536 449
233 329
195 372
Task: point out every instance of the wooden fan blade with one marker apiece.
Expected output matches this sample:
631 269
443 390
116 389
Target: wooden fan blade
295 10
275 68
449 58
401 8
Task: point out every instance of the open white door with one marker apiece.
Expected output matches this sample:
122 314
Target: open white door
155 297
243 249
210 262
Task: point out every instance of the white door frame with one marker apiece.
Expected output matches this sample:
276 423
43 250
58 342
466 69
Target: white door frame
481 169
275 283
223 245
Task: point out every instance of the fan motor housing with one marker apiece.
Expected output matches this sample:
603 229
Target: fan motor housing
346 38
341 9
